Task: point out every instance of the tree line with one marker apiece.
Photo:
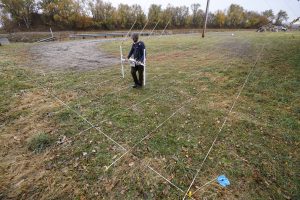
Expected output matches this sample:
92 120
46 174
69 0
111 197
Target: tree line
102 15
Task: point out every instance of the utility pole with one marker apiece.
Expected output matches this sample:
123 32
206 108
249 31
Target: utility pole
206 16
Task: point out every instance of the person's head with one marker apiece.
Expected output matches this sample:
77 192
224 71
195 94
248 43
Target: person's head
135 37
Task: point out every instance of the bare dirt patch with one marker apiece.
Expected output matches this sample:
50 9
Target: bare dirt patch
75 55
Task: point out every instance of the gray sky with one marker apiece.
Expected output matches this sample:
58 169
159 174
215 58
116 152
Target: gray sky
291 6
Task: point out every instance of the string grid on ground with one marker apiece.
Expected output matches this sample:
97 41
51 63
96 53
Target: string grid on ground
120 78
162 90
225 120
130 106
111 93
110 166
173 113
74 111
128 87
56 75
226 68
204 185
69 107
147 136
221 127
140 102
235 154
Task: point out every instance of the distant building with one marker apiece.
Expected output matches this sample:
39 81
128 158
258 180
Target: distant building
295 26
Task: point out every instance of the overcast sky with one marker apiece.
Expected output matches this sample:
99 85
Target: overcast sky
291 6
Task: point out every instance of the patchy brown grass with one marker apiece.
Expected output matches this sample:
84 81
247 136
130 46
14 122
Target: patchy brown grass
257 149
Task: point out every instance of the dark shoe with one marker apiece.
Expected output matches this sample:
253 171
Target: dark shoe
137 86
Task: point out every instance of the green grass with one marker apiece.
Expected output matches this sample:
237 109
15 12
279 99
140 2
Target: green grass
40 142
257 148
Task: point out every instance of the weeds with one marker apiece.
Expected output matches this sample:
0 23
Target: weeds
40 142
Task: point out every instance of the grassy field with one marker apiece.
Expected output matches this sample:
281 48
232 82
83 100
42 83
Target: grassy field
61 131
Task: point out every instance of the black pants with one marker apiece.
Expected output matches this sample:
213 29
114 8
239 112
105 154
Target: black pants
140 70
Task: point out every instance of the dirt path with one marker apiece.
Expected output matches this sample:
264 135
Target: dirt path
78 55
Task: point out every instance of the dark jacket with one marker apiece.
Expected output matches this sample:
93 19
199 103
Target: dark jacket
137 50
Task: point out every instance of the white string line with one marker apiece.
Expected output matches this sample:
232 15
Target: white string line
85 119
148 73
94 126
165 28
153 131
130 86
127 108
178 188
85 130
241 46
225 120
200 188
165 73
159 173
153 28
98 84
129 31
174 184
51 74
123 88
106 69
132 105
127 87
111 69
77 113
143 28
142 100
147 97
116 114
197 189
165 88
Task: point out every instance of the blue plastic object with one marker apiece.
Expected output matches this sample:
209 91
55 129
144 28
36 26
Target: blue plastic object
223 181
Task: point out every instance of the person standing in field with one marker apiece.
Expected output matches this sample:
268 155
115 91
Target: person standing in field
137 51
